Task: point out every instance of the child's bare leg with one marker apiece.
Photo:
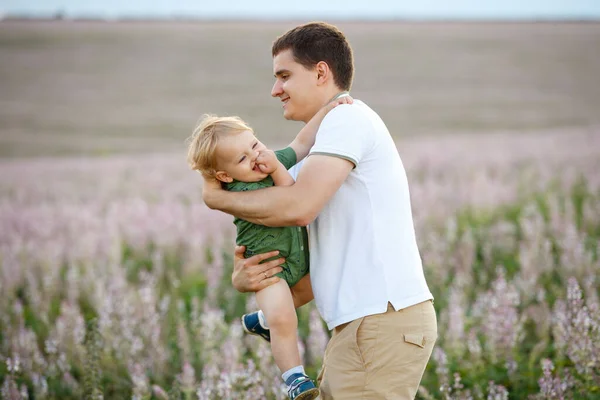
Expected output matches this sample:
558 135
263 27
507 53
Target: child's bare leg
302 292
277 305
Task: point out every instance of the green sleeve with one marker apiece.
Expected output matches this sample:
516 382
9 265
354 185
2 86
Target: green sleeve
287 157
237 186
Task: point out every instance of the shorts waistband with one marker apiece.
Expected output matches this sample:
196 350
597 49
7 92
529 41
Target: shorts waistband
390 308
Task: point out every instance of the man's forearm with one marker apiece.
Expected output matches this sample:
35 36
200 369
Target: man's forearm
295 205
274 206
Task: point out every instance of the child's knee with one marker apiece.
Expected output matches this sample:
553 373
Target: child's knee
284 318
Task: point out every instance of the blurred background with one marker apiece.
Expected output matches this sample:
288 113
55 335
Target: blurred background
103 85
116 277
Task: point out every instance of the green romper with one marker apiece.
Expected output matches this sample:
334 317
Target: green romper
291 241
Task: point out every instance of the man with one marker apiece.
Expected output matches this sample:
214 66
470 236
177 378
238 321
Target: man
352 191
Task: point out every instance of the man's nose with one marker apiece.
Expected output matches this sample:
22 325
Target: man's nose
277 89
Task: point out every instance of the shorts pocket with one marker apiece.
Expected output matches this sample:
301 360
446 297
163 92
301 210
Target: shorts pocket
344 348
416 339
367 335
357 346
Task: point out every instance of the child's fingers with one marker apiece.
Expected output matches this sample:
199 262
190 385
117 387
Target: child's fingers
263 158
345 100
264 168
338 101
267 153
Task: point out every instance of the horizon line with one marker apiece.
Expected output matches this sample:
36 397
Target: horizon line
58 17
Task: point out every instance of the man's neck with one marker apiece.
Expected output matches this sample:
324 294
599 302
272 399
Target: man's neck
336 94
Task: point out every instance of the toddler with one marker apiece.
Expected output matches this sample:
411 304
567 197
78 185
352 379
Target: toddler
225 149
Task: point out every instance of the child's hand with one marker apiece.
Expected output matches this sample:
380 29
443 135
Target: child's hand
267 161
340 100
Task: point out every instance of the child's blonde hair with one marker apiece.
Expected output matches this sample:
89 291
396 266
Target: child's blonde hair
203 142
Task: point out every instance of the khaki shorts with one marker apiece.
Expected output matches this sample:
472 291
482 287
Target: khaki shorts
380 356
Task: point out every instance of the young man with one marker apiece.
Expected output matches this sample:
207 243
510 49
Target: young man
352 191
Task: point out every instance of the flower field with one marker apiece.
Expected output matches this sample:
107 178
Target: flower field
115 278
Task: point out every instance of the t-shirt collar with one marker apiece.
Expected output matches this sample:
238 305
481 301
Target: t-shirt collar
340 94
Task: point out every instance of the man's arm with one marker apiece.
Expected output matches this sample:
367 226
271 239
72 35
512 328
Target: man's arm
296 205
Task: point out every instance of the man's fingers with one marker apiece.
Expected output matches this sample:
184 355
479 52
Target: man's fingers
211 183
210 187
257 259
267 282
239 251
271 269
270 265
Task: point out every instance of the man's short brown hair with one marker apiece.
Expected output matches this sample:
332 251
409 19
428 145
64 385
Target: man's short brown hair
319 41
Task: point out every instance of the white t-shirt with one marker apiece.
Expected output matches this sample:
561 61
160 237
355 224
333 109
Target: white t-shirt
363 250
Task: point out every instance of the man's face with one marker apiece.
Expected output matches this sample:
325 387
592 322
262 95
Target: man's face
296 86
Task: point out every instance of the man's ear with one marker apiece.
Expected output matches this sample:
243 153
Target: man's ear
323 72
223 177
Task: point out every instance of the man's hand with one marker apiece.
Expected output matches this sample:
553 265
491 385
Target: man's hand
251 276
267 161
210 189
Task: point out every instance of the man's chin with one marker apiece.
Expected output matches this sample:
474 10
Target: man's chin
290 116
287 115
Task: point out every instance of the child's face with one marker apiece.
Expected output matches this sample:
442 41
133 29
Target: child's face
236 158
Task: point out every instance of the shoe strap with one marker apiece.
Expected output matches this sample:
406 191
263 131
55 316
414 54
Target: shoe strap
297 382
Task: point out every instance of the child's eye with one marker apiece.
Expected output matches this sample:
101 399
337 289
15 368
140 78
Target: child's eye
254 145
242 159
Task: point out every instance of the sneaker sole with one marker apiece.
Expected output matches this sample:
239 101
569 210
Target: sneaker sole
309 394
249 332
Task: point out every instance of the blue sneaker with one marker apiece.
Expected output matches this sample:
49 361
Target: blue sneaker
251 324
300 387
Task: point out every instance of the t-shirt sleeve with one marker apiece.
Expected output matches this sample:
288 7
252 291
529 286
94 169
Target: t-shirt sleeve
287 157
345 132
